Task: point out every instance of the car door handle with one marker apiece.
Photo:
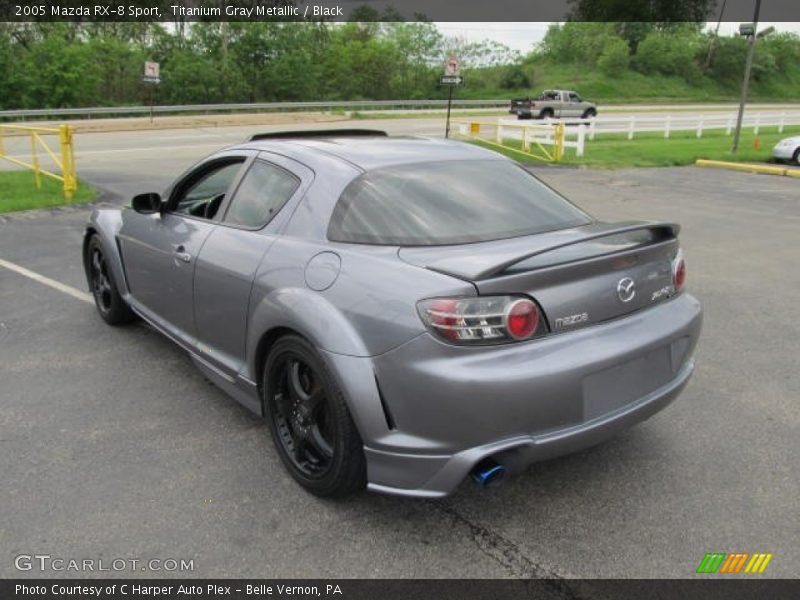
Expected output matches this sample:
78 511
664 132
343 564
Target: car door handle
181 254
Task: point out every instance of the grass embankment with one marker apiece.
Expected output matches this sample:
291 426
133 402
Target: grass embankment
614 151
18 192
633 87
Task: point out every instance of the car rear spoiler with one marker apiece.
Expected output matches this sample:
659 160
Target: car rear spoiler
663 230
317 133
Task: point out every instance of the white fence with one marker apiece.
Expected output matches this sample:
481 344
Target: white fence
666 124
544 133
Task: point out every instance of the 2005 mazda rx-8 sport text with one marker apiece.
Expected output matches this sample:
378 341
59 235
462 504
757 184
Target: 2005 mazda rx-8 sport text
404 312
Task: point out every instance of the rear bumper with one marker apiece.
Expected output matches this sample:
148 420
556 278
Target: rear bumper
519 452
452 407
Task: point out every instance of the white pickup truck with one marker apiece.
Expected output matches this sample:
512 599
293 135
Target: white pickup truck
553 104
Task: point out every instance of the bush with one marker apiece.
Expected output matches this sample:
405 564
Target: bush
664 54
614 60
514 78
728 60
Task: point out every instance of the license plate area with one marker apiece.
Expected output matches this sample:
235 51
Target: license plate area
613 388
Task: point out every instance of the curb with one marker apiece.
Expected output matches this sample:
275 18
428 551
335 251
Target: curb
105 199
748 167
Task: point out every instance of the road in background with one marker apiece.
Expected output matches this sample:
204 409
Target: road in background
123 160
114 445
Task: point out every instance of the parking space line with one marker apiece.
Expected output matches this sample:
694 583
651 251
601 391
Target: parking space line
56 285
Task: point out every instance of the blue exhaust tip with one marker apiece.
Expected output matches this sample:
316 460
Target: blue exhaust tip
488 473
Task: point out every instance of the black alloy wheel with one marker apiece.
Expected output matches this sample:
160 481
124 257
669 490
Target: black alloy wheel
311 426
112 308
302 416
101 285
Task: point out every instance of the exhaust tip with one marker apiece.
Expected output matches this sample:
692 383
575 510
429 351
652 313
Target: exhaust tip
488 473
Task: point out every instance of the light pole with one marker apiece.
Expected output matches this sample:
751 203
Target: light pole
748 29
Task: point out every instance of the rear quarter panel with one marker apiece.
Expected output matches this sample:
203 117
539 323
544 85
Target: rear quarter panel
369 308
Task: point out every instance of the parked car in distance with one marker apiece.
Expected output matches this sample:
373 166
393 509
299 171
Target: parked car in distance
404 312
553 104
788 149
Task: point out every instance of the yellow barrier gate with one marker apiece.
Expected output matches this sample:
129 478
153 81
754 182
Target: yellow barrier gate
66 163
549 148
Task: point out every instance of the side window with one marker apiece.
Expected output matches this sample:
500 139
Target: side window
203 197
264 190
574 98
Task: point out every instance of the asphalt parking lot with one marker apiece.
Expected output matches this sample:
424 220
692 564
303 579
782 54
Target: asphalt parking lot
114 446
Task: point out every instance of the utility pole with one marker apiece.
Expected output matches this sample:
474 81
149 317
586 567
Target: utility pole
713 44
751 40
449 103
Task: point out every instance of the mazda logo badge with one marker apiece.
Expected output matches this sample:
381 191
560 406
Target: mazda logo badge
626 289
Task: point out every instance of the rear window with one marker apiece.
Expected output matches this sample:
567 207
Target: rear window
450 202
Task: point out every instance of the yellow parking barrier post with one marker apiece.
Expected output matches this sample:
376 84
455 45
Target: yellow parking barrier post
37 176
558 150
68 161
65 162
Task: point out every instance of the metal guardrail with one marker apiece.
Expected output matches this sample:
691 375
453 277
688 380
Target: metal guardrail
66 161
259 106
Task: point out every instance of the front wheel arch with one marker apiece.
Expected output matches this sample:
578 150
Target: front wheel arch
87 238
103 284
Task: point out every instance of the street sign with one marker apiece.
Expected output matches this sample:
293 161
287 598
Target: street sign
451 80
451 67
152 72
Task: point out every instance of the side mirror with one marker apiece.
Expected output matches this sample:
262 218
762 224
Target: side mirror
146 204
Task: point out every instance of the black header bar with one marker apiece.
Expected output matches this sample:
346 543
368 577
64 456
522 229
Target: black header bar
394 10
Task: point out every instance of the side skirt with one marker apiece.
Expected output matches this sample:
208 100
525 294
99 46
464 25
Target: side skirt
239 388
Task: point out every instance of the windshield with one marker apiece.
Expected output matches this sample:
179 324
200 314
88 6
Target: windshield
448 202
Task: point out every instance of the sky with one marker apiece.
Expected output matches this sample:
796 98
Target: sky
522 36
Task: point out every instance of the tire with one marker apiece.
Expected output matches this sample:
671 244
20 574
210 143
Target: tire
589 113
311 427
796 157
547 113
112 308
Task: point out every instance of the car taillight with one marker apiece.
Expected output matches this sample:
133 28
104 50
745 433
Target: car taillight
482 320
679 272
522 319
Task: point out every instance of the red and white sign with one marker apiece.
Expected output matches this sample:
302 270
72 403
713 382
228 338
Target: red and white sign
451 67
151 70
